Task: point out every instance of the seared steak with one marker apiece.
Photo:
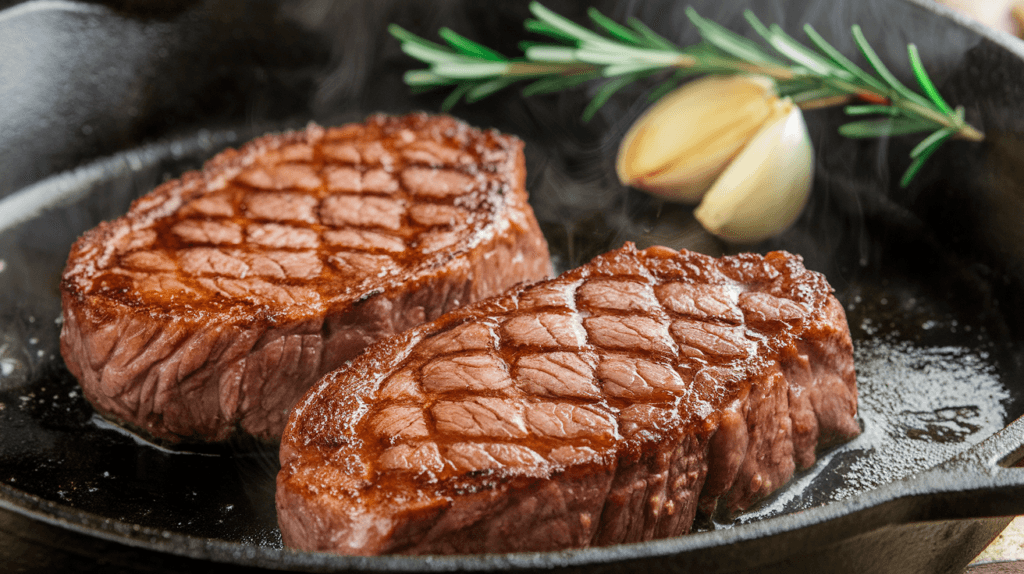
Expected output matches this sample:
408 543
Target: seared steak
604 406
222 296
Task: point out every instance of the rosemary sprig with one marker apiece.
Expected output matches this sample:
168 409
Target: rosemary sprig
813 77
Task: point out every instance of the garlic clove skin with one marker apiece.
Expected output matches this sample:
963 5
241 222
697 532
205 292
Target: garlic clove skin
679 147
767 185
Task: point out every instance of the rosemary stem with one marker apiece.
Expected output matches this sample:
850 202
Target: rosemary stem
545 68
970 133
829 102
713 64
925 112
964 131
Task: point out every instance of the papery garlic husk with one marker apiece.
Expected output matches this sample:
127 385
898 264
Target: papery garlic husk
679 147
764 189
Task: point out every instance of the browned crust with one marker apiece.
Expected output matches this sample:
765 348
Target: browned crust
123 342
740 442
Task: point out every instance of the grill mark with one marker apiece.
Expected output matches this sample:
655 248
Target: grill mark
236 191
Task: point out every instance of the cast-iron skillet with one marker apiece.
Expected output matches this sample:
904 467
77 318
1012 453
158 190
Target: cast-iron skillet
931 276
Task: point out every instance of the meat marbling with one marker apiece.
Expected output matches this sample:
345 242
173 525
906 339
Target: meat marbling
222 296
608 405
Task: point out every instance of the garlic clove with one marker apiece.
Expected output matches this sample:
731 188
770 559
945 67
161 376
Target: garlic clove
765 188
679 147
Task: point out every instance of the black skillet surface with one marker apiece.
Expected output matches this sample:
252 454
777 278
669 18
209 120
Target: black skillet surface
931 276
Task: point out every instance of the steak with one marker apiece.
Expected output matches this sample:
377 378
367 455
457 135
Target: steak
220 297
608 405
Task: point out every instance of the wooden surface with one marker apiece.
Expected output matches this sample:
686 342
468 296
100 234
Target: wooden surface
1005 554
